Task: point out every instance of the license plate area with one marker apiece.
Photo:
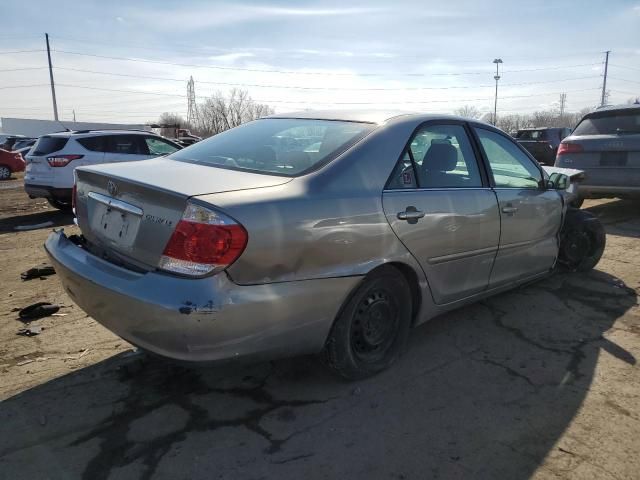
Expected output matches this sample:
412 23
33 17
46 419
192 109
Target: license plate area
613 159
117 227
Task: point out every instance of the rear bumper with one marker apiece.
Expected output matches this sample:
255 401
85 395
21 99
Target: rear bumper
200 319
44 191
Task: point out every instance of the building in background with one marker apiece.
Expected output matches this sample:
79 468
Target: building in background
34 128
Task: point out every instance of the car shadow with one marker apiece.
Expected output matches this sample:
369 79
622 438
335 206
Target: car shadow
620 217
483 392
36 221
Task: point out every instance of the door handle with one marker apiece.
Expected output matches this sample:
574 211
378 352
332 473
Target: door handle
509 210
411 214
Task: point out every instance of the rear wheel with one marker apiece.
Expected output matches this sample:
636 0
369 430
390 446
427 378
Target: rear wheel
372 329
5 172
63 205
577 202
582 242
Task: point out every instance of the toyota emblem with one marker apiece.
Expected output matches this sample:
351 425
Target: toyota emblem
112 188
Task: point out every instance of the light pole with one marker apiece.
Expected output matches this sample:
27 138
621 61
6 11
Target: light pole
497 61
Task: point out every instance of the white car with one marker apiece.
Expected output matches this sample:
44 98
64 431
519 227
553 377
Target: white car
54 157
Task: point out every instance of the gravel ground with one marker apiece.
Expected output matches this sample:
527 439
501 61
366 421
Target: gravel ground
540 382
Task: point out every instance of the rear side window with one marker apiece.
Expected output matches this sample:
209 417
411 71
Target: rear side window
95 144
531 135
46 145
127 145
440 156
609 123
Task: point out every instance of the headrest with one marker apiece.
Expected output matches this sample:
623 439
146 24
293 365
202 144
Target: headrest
442 157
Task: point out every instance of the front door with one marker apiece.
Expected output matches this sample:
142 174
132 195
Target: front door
530 214
442 209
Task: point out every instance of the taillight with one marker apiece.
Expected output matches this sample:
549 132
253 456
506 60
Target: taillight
565 148
204 241
62 160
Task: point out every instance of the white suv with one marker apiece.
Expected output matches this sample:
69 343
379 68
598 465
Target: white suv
54 157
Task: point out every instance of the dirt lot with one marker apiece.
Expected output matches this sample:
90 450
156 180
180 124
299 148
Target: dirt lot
541 382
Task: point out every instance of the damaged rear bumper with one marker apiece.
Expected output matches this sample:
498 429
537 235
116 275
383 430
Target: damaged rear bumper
199 319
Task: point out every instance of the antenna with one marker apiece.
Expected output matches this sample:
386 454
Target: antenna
191 101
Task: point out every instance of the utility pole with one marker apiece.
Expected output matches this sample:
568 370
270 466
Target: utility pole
604 83
563 101
74 114
497 61
53 86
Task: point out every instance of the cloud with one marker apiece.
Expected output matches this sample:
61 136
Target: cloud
231 57
230 14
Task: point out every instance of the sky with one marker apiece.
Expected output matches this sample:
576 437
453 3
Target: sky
126 61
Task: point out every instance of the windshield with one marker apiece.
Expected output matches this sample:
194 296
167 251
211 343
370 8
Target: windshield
609 123
280 146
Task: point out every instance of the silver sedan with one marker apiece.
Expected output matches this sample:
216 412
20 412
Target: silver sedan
333 232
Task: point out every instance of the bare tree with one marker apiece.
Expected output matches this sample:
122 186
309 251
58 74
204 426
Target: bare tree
174 120
221 112
468 111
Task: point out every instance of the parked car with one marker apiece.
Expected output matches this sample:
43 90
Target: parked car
10 162
10 140
54 157
22 143
231 248
606 146
542 143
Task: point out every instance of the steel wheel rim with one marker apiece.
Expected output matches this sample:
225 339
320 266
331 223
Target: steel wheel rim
374 325
5 172
578 246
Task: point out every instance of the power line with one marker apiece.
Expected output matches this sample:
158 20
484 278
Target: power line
25 86
298 87
21 51
623 80
22 69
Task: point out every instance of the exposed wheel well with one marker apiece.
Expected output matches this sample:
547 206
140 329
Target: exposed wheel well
412 279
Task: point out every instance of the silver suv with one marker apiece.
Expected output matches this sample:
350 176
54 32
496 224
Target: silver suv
606 146
54 157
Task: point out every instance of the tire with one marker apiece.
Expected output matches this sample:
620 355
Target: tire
5 172
582 241
576 202
372 328
60 204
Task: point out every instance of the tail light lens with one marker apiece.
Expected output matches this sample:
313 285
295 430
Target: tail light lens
565 148
62 160
205 241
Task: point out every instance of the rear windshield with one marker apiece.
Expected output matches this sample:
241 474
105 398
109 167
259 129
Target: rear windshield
609 123
46 145
279 146
531 135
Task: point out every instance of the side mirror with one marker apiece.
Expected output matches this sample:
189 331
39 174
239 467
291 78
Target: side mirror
558 181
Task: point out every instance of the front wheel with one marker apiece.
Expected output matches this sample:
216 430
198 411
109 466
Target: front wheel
582 241
372 329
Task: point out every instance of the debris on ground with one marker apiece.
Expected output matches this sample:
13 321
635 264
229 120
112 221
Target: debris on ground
38 272
38 310
30 331
33 227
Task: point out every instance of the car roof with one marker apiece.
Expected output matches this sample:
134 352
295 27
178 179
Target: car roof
100 132
606 108
369 116
540 128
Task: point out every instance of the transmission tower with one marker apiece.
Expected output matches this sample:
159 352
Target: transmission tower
191 101
563 102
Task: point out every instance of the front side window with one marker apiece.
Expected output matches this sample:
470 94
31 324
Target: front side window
159 146
280 146
510 166
442 157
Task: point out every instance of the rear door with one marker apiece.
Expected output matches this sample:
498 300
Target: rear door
440 206
126 148
530 214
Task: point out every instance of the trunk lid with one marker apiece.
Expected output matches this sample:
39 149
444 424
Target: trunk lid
128 211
